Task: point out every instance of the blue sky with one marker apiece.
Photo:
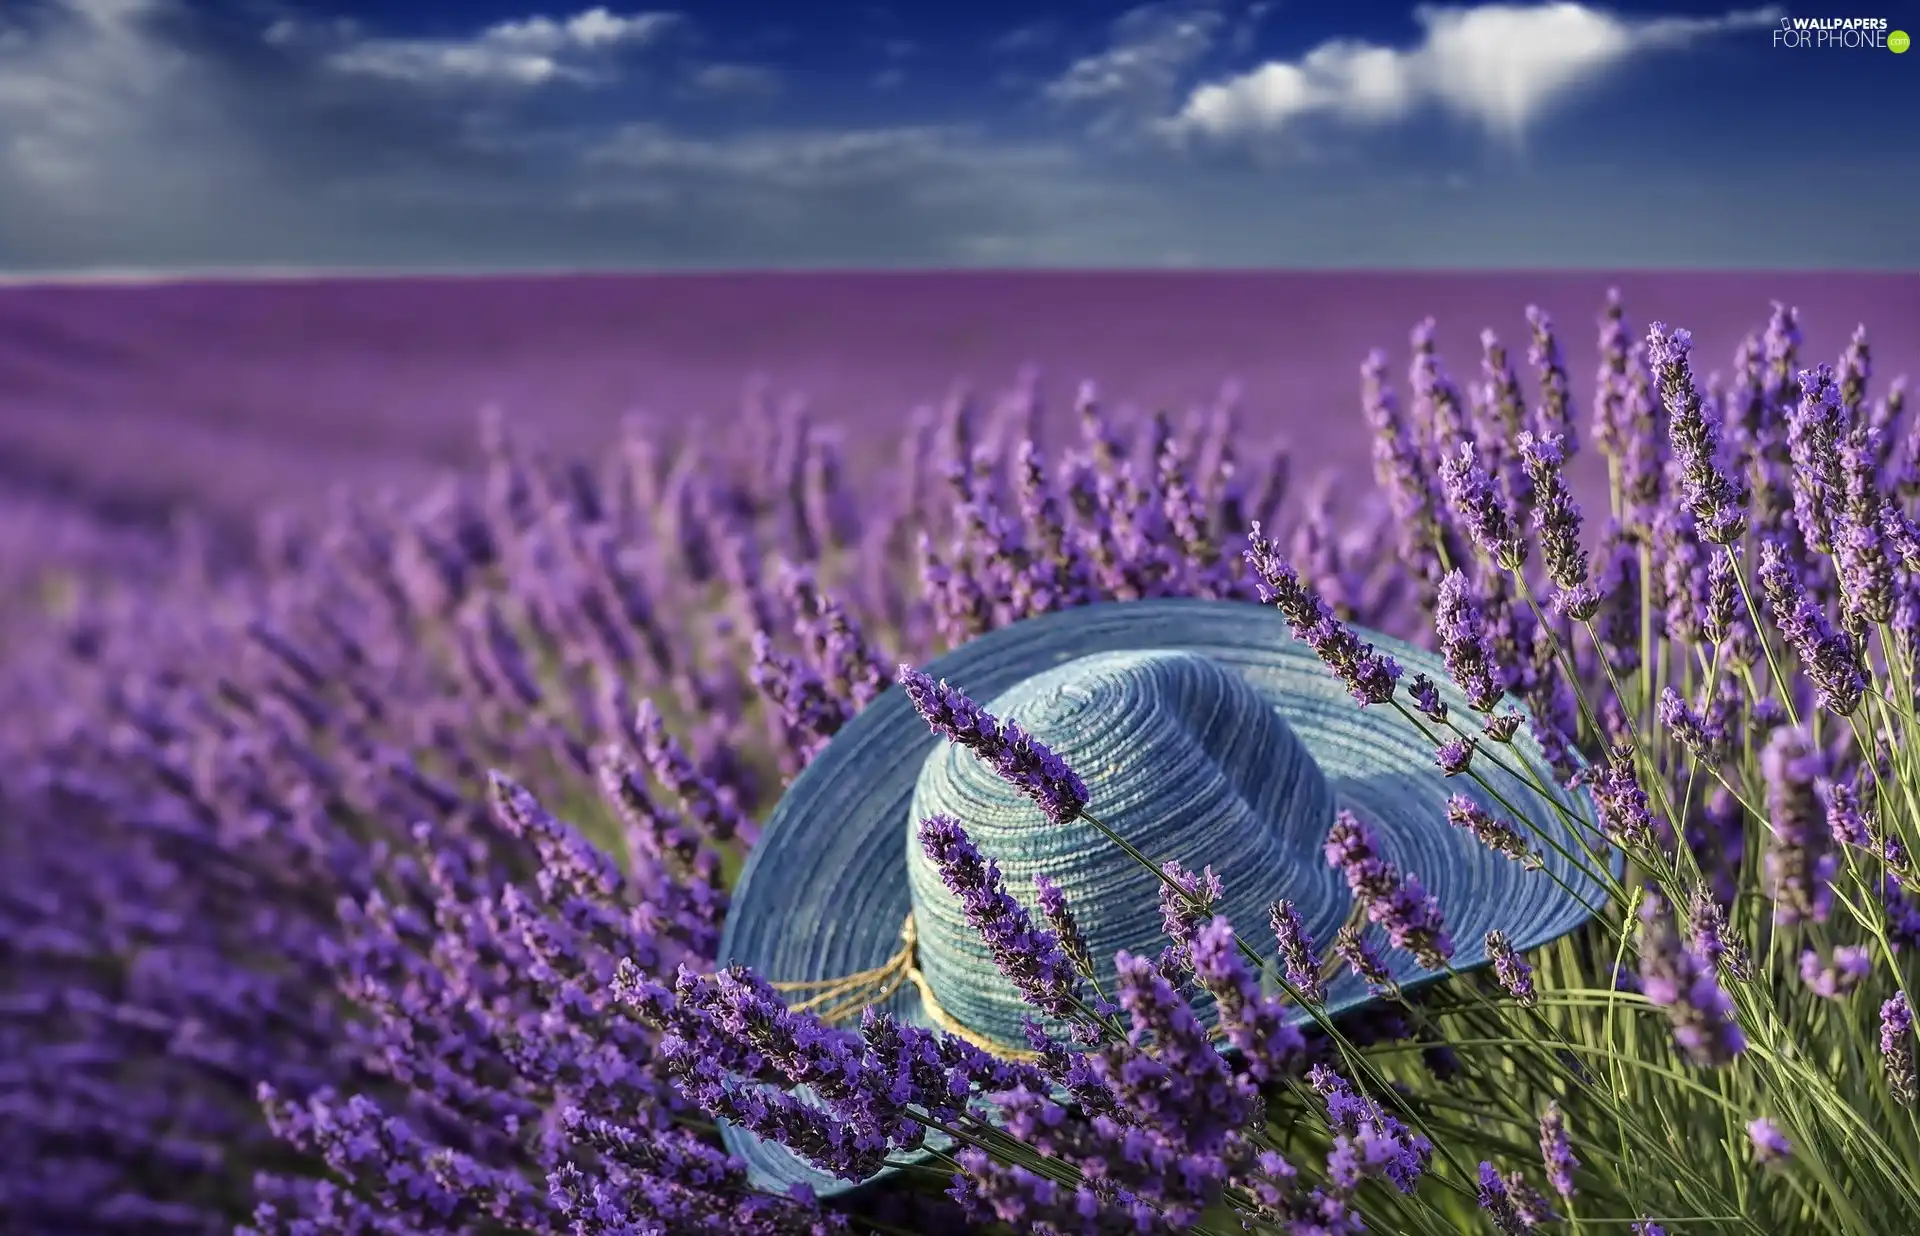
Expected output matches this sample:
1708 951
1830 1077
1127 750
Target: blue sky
489 134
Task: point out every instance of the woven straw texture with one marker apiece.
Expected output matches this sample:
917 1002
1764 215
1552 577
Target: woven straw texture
1206 734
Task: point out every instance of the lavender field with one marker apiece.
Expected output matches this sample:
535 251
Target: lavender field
228 395
421 823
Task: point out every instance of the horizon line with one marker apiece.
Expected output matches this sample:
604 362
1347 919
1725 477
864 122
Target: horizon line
157 277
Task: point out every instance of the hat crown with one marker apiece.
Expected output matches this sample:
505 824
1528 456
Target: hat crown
1181 755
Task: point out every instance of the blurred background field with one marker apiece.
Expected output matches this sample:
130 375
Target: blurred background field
135 401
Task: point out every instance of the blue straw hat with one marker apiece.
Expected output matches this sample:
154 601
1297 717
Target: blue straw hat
1206 734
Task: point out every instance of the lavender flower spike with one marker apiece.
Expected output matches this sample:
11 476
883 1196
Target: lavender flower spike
1556 517
1032 960
1053 907
1464 643
1020 758
1371 676
1770 1145
1491 831
1799 861
1835 977
1680 980
1815 427
1366 1138
1256 1024
1896 1047
1556 1152
1717 501
1482 507
1498 1203
1514 974
1397 902
1296 952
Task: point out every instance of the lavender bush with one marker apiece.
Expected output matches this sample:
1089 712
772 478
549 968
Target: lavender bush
376 887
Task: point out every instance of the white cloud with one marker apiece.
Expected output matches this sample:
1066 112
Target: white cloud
82 87
785 159
1498 65
530 52
138 134
1036 36
1152 51
928 194
733 81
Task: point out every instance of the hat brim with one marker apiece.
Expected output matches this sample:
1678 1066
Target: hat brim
824 892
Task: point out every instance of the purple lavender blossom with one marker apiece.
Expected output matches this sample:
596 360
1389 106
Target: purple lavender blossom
808 712
1799 863
1497 1202
1678 979
988 1190
1455 755
839 653
1370 676
1626 814
1258 1026
1718 502
1425 694
1056 575
1496 834
1410 915
1856 367
1814 430
1866 567
1896 1047
1903 914
1696 733
1556 518
1719 619
1500 414
1835 977
1555 414
1052 902
1032 960
1352 947
711 806
1366 1138
1482 508
1829 656
1618 620
1530 1205
1401 472
1511 970
1610 425
1439 413
1464 643
1301 964
1770 1145
1186 903
1019 758
1846 821
1713 939
1555 1151
1184 1088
